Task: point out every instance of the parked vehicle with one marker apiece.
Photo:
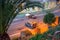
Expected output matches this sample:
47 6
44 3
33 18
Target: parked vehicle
31 16
31 25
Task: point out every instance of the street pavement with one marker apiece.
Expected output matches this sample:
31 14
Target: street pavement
18 24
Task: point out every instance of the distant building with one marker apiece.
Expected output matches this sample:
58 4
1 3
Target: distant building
48 4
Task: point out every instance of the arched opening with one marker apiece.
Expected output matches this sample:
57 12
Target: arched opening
19 22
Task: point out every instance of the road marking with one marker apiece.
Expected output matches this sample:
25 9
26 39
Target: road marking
14 34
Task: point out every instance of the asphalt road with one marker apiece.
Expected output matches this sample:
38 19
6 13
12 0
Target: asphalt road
19 23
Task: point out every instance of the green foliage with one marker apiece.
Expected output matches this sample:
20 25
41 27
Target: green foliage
7 13
49 18
57 36
36 37
40 37
57 28
57 32
47 35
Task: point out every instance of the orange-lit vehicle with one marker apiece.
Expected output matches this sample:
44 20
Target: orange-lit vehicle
31 25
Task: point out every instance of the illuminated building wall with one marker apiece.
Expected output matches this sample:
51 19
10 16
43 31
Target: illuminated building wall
52 4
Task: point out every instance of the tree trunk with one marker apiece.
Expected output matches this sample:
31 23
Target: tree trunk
5 36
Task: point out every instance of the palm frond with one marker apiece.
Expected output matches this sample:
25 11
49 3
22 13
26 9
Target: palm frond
8 11
32 4
7 14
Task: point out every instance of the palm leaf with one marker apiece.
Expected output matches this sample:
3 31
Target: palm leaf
33 4
7 14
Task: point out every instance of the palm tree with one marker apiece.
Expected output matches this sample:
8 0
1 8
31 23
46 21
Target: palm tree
8 11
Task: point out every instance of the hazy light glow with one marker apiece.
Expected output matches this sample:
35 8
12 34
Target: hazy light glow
27 14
